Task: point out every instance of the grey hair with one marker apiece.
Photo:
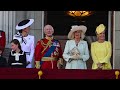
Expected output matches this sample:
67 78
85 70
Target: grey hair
48 25
82 36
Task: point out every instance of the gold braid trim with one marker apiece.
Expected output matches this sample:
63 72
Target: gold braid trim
47 45
42 43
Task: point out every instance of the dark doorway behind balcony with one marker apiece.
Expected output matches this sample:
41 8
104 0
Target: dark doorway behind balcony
63 22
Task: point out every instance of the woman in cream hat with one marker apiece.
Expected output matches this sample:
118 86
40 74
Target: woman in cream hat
101 50
76 51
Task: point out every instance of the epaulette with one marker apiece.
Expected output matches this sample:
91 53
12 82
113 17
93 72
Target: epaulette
42 43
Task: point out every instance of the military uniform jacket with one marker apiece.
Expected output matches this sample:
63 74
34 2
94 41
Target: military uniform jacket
2 39
47 49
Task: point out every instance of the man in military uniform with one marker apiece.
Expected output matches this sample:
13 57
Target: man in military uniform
26 40
48 52
2 39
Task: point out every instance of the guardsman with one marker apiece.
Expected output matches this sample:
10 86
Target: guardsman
48 52
2 39
26 40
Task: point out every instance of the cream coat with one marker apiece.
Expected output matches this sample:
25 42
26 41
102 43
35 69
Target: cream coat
84 54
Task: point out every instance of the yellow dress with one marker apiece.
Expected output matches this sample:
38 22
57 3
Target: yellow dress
101 53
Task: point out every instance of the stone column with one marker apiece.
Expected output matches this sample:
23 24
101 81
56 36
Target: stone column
117 40
37 26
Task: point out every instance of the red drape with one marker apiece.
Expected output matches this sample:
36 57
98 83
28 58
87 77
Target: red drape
25 73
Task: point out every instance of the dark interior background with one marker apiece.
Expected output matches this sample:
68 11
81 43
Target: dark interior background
63 22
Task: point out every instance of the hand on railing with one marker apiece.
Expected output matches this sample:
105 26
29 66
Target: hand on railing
117 74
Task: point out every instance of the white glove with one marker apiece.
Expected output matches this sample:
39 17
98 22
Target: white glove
75 57
37 65
78 56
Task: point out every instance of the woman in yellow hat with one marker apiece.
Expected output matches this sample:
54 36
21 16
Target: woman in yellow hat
101 50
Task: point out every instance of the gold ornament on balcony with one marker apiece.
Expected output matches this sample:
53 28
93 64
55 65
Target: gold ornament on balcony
117 74
79 13
40 73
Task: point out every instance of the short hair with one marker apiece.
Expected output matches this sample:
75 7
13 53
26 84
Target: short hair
48 25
